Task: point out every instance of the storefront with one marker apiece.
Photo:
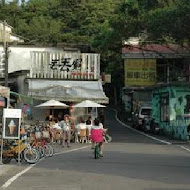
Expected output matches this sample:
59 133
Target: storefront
45 73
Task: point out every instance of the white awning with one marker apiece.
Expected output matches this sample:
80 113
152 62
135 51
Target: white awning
68 91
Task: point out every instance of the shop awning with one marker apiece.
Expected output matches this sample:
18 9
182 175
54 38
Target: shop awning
68 91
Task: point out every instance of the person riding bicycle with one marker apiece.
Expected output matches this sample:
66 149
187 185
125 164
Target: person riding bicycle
97 135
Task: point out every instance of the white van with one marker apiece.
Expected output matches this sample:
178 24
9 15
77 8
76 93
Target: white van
144 112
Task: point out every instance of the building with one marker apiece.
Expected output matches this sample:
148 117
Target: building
7 35
37 74
147 68
171 109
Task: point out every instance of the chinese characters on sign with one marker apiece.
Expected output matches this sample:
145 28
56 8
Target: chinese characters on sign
140 72
65 64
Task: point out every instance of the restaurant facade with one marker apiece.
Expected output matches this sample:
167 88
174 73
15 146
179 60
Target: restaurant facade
38 74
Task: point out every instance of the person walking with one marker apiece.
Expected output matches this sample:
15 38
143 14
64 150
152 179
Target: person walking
66 127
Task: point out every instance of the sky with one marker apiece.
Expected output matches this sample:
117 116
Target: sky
8 1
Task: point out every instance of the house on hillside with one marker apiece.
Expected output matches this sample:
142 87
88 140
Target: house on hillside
7 35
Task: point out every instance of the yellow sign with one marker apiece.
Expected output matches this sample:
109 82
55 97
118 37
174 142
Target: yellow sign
140 72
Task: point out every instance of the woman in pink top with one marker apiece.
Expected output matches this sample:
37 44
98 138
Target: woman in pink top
97 135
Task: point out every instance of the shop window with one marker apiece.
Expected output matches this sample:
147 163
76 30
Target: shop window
164 107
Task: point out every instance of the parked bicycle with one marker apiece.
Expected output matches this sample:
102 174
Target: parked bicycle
43 147
13 149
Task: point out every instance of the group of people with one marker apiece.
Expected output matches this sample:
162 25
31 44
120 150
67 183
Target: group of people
64 131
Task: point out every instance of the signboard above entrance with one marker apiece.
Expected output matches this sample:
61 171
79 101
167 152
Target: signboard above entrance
62 65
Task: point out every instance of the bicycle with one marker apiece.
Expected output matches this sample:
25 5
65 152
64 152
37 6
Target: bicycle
48 149
40 143
97 150
13 149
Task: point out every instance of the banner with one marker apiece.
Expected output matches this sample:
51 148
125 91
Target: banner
140 72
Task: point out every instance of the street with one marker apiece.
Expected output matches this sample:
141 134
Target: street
132 161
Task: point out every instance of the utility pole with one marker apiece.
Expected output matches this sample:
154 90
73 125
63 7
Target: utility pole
5 46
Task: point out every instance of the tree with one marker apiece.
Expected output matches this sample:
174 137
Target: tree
162 20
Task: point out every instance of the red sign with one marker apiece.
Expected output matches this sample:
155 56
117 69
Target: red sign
2 103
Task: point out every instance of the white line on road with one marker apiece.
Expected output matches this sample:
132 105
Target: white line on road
185 148
71 150
12 179
149 136
6 184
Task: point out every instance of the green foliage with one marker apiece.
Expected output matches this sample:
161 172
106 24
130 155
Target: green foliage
101 24
170 21
161 19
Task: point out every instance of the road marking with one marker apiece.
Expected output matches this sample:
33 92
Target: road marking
12 179
71 150
149 136
154 138
185 148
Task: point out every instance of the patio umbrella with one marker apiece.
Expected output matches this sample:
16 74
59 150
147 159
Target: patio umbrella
87 104
52 104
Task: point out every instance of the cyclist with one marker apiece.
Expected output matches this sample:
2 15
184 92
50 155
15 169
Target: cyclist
97 135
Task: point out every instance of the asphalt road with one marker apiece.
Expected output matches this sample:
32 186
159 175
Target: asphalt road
131 161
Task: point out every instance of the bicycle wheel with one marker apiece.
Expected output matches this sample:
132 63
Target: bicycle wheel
6 160
108 138
41 151
21 157
31 155
96 151
51 150
46 150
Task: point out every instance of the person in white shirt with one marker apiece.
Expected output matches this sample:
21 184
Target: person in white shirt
82 131
57 125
